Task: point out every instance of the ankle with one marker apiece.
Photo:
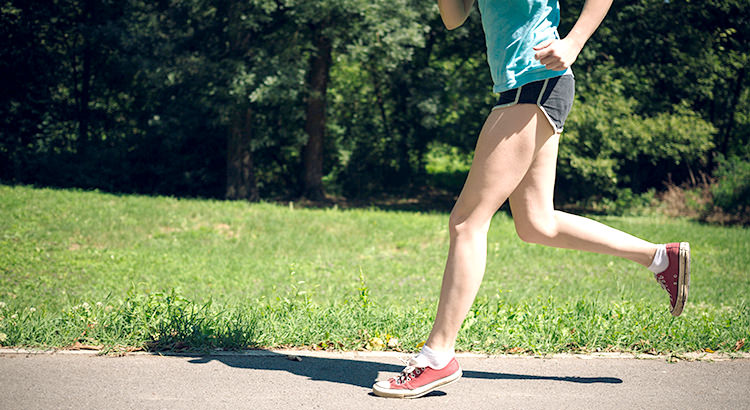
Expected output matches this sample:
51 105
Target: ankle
438 347
660 261
437 359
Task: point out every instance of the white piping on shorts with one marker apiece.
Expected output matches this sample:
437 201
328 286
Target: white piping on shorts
514 102
538 104
541 93
552 123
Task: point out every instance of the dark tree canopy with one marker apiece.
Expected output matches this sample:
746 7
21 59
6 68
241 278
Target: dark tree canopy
289 98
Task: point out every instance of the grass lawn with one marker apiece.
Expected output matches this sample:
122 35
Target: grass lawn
163 273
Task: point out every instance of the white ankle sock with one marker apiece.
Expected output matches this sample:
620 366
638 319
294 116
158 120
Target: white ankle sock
436 360
661 261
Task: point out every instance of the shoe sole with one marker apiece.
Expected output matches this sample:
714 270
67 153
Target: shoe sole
683 281
413 394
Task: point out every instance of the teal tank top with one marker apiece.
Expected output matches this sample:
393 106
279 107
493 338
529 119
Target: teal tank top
512 28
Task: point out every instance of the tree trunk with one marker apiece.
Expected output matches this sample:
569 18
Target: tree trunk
84 95
315 123
241 183
726 133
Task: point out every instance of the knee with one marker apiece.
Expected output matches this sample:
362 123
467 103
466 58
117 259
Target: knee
462 225
540 230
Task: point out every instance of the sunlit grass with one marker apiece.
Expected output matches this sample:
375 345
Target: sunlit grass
164 273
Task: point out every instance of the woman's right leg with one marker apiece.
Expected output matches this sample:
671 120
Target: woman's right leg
507 145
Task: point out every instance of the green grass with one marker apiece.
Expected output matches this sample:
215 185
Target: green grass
163 273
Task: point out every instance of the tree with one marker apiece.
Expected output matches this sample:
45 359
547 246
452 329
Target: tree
282 98
679 52
336 27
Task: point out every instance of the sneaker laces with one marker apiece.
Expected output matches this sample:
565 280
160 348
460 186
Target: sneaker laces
663 283
411 371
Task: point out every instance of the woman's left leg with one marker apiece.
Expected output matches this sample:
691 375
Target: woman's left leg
537 221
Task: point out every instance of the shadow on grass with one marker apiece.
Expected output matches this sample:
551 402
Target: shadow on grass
362 372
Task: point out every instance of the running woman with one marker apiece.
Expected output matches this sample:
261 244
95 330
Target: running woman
514 160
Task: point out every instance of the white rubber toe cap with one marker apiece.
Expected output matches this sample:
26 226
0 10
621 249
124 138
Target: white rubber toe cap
383 384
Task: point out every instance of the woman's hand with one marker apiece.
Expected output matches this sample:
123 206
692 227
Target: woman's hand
556 54
560 54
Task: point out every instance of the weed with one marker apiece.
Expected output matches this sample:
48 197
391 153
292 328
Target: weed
364 291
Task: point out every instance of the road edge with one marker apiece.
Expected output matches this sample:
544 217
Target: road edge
292 353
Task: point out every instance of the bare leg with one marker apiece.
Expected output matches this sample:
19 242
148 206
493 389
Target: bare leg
515 157
537 222
507 145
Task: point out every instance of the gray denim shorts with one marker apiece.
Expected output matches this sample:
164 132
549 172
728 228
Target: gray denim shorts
553 95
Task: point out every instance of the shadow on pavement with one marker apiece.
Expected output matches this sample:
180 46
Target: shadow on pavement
362 373
572 379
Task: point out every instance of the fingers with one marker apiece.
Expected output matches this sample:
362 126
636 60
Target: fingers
554 62
543 45
554 55
556 67
543 49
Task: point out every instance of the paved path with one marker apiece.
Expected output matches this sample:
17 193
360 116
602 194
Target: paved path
342 381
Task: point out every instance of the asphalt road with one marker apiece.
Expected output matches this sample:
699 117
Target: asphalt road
342 381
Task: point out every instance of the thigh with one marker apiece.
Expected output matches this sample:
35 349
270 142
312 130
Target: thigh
533 198
507 146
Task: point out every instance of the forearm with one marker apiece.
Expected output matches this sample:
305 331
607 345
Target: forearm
591 17
454 12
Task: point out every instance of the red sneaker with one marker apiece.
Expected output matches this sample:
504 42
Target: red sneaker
417 381
676 278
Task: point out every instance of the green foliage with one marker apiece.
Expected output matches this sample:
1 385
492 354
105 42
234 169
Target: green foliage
447 167
676 93
607 145
144 96
681 52
386 111
732 189
375 153
626 202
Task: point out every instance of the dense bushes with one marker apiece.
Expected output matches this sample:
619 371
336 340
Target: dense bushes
731 192
608 146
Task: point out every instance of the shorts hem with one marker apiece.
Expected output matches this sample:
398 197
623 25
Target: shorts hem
558 130
558 101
